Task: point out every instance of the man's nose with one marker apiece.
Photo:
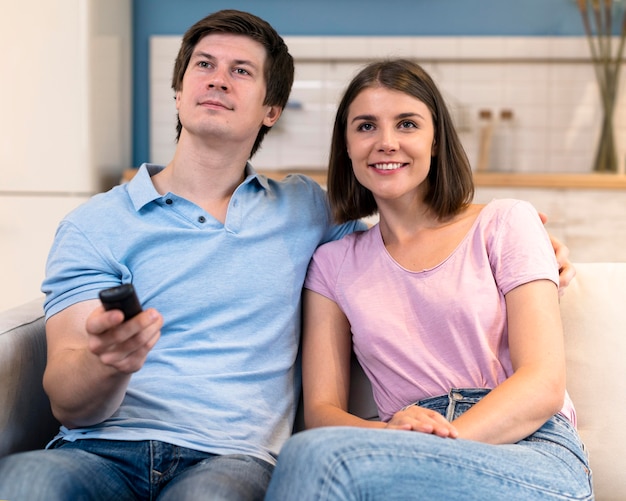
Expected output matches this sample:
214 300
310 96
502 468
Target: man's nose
218 80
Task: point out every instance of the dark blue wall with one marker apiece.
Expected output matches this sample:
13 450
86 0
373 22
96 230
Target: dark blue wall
345 17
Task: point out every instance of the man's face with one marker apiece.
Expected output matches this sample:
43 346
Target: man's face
223 90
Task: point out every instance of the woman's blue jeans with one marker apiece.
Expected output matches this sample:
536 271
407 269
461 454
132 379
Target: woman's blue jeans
346 463
107 470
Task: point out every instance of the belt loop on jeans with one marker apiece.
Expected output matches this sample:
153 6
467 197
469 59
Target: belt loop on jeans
454 396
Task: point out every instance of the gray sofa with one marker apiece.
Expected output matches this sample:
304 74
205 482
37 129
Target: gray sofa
594 318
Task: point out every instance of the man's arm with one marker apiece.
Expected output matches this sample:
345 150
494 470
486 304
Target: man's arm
91 356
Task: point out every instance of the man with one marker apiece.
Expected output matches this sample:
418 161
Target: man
194 396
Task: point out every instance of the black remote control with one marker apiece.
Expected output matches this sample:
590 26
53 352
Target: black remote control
121 297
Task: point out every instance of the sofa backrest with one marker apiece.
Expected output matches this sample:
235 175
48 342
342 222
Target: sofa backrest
594 320
593 309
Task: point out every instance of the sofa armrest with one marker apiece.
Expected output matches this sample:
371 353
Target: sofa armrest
26 421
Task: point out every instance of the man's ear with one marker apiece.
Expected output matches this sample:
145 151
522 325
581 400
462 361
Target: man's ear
272 115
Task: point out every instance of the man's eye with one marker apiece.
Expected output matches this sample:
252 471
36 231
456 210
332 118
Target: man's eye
241 71
203 64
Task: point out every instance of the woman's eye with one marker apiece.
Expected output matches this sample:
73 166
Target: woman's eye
365 127
407 124
203 64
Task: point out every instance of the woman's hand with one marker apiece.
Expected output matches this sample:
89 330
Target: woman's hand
424 420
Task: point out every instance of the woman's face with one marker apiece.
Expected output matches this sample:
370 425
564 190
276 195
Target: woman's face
390 140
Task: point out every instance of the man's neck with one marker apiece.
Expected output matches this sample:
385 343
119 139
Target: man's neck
206 176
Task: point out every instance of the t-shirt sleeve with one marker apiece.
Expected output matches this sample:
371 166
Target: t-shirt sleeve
521 250
333 231
324 270
75 270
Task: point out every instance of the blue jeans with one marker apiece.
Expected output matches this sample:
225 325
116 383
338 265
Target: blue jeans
116 470
346 463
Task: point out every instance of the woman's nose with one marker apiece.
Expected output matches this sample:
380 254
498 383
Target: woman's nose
388 142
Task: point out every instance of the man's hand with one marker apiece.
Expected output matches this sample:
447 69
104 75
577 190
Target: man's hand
121 345
566 269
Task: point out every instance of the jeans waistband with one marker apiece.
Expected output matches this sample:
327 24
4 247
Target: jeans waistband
557 430
455 403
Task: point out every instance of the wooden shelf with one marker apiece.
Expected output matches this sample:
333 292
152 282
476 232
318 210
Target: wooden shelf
536 180
508 179
489 179
318 175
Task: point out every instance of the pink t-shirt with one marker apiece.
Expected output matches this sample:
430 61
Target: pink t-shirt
419 334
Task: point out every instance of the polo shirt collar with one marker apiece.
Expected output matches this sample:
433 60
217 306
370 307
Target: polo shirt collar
140 188
142 191
252 174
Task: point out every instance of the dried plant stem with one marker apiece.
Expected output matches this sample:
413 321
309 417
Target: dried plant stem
600 37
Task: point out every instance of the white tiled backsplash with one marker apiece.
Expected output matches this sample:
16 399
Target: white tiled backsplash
547 84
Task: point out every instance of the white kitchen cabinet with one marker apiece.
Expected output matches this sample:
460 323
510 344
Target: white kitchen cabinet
66 128
27 226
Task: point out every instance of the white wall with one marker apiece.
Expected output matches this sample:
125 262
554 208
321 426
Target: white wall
66 127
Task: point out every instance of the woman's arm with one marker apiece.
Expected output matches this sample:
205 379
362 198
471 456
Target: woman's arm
326 349
536 390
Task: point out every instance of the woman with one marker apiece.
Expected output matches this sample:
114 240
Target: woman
452 310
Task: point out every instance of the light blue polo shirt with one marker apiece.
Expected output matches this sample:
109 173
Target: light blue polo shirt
223 376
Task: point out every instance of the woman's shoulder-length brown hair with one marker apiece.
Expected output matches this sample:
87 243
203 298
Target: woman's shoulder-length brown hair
451 186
